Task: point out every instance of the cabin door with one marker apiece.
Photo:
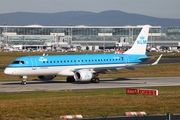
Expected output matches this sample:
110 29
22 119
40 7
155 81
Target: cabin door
33 63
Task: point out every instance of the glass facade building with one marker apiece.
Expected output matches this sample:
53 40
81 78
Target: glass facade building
82 35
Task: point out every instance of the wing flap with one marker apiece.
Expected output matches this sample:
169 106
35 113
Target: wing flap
105 70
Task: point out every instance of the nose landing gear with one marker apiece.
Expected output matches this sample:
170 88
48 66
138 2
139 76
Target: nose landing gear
23 82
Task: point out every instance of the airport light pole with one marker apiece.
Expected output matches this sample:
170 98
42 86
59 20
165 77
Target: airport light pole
5 33
70 34
104 42
130 39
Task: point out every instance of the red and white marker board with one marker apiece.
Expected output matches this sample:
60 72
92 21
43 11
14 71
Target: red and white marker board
142 91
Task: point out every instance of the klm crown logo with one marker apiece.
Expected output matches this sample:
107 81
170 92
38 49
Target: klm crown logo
87 76
142 40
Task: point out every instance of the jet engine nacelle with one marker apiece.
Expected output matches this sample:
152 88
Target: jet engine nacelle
83 75
46 77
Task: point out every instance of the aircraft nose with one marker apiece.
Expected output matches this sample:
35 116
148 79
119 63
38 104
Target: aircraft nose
8 71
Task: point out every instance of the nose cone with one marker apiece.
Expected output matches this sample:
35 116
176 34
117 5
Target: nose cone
8 71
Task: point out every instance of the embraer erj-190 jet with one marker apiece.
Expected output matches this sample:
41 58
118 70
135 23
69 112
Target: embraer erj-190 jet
81 67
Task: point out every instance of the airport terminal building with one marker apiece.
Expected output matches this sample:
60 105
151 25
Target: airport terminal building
37 35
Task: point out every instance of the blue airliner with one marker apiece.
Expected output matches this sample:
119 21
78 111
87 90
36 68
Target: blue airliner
81 67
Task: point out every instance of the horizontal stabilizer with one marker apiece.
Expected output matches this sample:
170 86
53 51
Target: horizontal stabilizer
143 58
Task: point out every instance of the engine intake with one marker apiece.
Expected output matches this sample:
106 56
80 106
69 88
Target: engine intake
83 75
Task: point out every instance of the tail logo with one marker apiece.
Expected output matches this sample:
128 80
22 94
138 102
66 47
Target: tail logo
142 40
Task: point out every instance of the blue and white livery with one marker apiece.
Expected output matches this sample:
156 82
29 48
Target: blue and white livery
80 67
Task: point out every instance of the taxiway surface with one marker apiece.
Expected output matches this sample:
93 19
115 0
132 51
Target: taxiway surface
104 83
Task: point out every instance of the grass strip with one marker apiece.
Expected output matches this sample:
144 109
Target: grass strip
89 103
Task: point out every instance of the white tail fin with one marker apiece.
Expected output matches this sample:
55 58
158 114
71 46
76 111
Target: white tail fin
139 46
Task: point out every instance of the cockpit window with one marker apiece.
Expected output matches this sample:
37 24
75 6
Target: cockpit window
21 62
18 62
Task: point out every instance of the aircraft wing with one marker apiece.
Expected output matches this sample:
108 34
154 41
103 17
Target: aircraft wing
105 70
133 66
102 70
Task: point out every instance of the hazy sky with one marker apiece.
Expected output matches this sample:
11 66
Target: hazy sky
156 8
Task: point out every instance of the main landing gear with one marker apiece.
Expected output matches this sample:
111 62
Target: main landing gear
70 79
23 82
95 80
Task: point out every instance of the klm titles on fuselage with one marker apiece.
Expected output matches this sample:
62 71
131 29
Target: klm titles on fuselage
42 59
142 40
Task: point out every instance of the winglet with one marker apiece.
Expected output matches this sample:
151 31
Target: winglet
156 62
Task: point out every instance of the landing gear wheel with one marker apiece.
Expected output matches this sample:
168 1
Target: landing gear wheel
23 82
95 80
